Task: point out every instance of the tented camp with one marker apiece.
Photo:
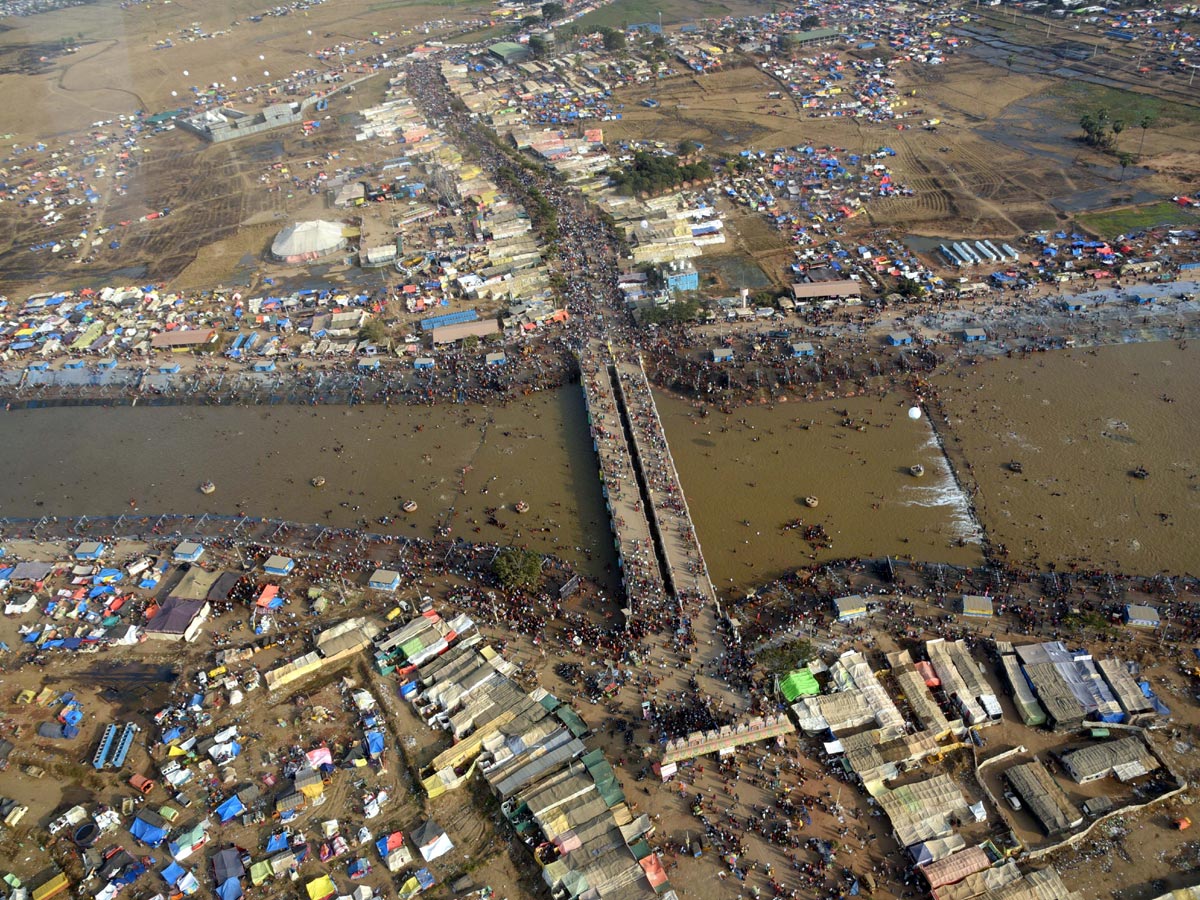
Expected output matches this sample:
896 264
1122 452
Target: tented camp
1126 759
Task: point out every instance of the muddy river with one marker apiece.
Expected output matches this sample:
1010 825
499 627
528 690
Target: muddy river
747 475
1079 423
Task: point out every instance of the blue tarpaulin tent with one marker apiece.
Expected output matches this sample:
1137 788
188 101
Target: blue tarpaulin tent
277 842
172 873
150 835
374 742
230 889
230 809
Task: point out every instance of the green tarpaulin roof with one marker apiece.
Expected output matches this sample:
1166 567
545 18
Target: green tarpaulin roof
800 683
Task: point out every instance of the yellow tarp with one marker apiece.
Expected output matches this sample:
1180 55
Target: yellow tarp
320 888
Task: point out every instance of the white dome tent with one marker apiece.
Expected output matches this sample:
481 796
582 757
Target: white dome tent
308 241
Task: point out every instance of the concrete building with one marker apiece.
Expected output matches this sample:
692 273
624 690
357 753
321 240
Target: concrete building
973 335
849 608
802 349
808 291
681 276
509 52
448 334
227 123
180 340
899 339
722 354
384 580
976 606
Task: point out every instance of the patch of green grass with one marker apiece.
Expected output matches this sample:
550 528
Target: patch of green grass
1111 222
1081 97
490 34
674 12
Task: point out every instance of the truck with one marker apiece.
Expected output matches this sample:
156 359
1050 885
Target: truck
72 816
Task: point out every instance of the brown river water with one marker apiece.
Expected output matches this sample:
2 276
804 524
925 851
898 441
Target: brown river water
1078 423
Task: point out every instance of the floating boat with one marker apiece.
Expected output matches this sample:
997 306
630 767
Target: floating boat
1140 472
317 481
409 506
207 487
1016 467
917 471
811 502
521 506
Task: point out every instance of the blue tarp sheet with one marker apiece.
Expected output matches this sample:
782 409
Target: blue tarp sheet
277 842
230 889
172 873
150 835
230 809
1148 693
374 742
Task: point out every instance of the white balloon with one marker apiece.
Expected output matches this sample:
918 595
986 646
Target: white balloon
266 73
310 33
914 412
233 78
185 72
260 56
174 94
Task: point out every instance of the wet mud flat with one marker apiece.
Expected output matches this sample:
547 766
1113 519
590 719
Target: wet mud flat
1080 427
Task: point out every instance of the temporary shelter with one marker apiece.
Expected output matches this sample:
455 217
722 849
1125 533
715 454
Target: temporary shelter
384 580
308 241
431 841
279 565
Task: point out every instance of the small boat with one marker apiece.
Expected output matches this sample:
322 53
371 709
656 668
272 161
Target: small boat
811 502
207 487
521 506
917 471
317 481
409 506
1015 467
1140 472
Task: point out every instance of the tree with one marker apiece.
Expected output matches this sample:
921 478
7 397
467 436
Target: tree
613 40
471 342
373 332
1124 159
552 11
537 44
1117 127
810 22
687 148
1145 124
1009 60
530 22
517 568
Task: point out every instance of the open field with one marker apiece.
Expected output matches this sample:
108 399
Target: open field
1005 160
1113 222
673 12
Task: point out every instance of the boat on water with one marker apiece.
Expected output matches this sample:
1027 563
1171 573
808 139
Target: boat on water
317 481
1140 472
917 470
1015 467
207 487
811 502
521 506
409 506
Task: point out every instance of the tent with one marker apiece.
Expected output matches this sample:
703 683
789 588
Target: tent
374 742
260 872
231 809
146 830
800 683
320 888
189 841
230 890
277 842
227 864
431 840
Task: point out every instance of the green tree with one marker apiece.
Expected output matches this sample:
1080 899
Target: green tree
517 568
471 342
808 23
1009 60
531 22
537 44
614 40
552 11
1117 127
687 148
373 332
1124 159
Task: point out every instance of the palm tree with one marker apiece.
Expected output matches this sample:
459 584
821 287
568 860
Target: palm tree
1117 127
1145 125
1124 159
